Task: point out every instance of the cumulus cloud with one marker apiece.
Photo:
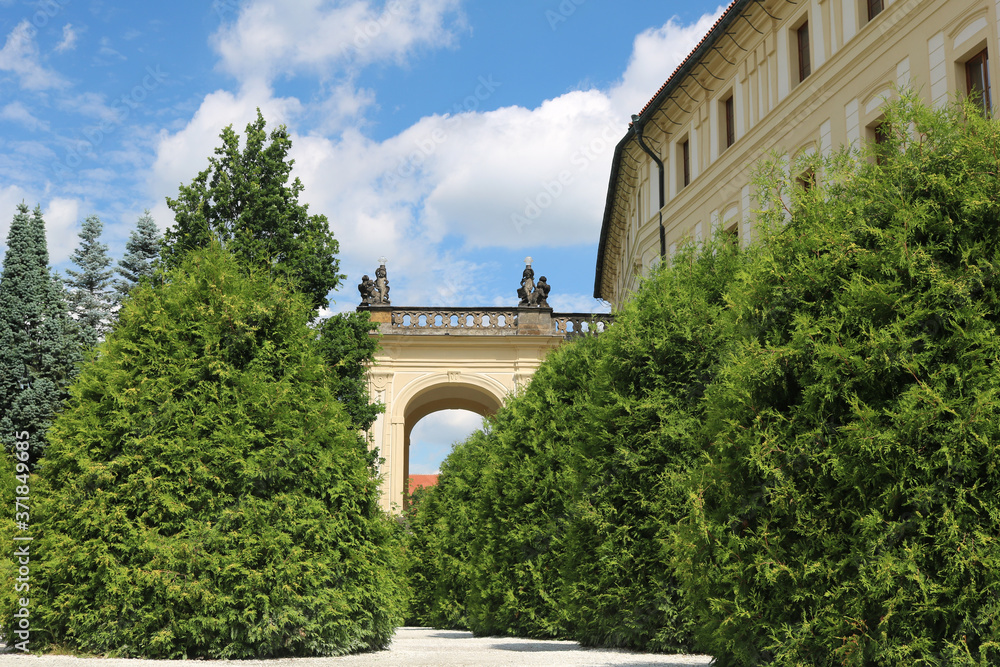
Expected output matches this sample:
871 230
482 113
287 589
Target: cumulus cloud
17 112
433 436
62 217
655 54
20 56
511 177
272 37
68 42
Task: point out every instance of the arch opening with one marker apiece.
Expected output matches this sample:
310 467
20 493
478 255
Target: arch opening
446 398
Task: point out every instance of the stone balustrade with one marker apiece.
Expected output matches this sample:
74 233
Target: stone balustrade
499 321
581 324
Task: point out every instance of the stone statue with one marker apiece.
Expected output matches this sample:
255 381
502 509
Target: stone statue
530 293
527 287
367 289
382 285
541 293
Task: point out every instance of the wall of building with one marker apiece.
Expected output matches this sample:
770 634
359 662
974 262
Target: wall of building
855 64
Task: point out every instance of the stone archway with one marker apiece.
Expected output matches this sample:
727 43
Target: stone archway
434 359
441 391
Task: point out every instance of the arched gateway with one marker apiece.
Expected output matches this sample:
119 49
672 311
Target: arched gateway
433 359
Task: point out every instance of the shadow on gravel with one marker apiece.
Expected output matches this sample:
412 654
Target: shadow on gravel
535 648
452 634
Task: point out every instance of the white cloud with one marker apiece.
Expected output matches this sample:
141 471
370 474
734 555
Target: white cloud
17 112
655 55
61 218
511 177
433 436
20 55
276 37
68 42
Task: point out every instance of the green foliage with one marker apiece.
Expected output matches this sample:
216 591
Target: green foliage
524 501
89 299
788 452
344 340
39 349
635 452
848 511
205 494
245 201
141 254
442 525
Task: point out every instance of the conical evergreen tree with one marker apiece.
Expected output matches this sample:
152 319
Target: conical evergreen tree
39 351
141 252
89 298
248 199
205 494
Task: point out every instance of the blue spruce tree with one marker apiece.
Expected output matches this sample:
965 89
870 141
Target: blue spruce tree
89 298
141 252
39 349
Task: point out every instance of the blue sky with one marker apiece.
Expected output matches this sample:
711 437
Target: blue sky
433 132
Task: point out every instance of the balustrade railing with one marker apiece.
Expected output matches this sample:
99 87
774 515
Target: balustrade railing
581 324
498 321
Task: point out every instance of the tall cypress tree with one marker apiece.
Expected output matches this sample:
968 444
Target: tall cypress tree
141 252
89 299
39 352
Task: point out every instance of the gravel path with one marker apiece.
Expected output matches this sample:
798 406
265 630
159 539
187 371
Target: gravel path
417 647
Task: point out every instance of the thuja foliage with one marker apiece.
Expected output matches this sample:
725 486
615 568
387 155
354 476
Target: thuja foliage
442 525
525 501
788 452
634 452
849 510
39 346
205 494
344 340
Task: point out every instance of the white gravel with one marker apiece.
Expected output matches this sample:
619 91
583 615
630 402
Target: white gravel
417 647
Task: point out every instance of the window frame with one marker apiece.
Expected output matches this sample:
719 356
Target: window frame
981 58
729 116
875 7
802 50
685 162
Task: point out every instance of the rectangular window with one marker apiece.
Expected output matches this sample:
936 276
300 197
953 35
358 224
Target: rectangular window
977 75
881 135
730 122
686 162
875 8
802 38
732 234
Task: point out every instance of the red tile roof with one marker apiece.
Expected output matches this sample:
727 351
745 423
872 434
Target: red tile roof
422 480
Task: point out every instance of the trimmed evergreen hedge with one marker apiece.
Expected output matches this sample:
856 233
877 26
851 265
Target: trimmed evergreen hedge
784 455
204 494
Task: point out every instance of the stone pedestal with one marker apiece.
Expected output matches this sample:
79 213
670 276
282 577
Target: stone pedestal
534 321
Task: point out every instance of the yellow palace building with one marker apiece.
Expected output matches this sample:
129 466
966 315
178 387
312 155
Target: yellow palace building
796 77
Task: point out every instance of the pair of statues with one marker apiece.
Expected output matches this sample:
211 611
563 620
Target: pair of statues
530 293
375 292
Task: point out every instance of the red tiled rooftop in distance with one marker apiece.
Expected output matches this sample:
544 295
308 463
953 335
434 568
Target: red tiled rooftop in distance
422 480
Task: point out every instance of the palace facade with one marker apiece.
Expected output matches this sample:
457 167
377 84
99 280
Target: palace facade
796 77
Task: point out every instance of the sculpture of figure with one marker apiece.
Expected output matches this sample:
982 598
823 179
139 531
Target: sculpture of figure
527 287
541 293
382 285
366 287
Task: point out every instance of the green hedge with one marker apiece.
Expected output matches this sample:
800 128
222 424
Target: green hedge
849 509
204 494
782 455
